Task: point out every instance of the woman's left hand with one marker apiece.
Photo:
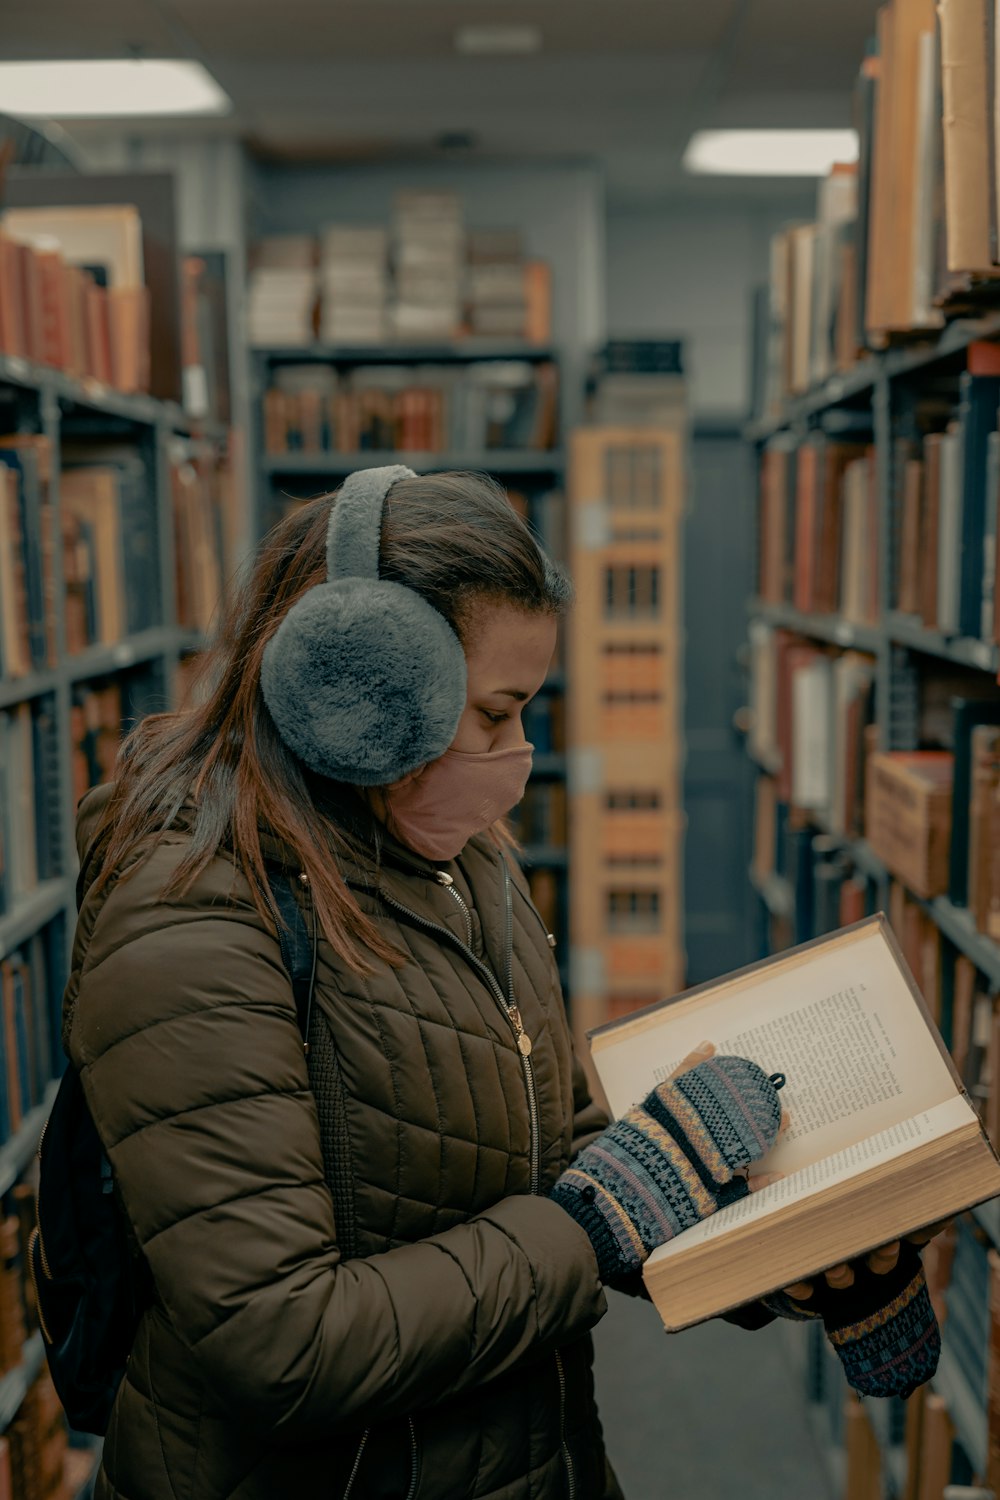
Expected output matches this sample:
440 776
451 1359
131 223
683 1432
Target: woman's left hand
881 1261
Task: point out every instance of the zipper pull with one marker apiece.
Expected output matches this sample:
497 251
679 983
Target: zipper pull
522 1037
443 878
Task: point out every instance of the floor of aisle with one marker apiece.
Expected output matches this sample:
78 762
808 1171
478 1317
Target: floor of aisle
714 1413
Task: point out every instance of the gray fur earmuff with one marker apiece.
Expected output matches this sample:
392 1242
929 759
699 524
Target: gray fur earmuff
363 678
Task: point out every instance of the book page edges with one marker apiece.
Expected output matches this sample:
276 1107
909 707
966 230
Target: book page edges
613 1032
980 1182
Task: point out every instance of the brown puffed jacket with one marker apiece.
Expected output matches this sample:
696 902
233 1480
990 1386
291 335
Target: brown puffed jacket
361 1288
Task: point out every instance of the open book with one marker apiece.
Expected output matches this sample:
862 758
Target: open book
883 1138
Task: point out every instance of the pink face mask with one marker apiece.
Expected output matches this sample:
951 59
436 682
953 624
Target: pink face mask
456 796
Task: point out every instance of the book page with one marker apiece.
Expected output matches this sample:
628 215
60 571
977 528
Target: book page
838 1020
930 1124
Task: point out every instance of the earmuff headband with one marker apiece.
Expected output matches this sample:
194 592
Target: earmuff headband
355 529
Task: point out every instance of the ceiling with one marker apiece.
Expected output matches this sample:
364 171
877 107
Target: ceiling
621 81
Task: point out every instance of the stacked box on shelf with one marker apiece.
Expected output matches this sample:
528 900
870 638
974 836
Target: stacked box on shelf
353 284
283 291
626 503
428 250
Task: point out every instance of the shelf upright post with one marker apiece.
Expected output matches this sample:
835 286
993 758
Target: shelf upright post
50 412
158 467
882 422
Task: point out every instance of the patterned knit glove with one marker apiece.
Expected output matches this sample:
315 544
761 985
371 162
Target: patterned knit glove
670 1161
883 1326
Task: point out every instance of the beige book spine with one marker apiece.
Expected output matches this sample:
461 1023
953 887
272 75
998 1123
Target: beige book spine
967 184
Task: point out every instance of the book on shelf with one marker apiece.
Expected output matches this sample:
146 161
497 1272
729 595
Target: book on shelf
80 274
199 543
110 538
883 1137
96 718
425 408
27 564
29 798
972 717
908 816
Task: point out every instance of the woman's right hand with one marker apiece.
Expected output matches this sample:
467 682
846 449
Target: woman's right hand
705 1050
672 1160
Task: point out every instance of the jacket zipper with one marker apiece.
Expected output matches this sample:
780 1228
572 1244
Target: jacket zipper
521 1038
357 1463
414 1466
567 1456
36 1234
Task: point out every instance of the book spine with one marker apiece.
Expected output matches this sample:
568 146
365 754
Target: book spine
981 394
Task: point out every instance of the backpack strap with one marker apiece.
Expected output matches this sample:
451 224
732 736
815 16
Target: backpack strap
298 949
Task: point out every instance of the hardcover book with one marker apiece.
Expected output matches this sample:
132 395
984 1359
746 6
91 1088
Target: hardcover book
883 1138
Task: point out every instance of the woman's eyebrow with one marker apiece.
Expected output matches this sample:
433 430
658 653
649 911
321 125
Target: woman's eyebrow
513 693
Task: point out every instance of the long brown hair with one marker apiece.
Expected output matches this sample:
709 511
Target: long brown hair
453 538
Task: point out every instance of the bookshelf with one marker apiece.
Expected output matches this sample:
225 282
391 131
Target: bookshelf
68 421
877 403
533 475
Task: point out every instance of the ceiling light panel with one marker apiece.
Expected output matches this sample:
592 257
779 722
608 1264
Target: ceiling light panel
109 89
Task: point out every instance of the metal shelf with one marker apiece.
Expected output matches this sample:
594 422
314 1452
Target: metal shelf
92 396
455 351
99 661
832 628
491 460
958 925
965 1408
545 856
775 892
15 1384
550 765
17 1153
32 685
30 912
895 363
905 630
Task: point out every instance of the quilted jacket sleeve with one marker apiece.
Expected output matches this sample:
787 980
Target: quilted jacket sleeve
193 1068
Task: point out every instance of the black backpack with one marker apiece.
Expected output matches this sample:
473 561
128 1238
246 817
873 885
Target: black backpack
91 1284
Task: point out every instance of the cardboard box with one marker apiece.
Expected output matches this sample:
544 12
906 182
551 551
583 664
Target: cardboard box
908 816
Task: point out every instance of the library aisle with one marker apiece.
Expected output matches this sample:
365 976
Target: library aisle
712 1411
703 303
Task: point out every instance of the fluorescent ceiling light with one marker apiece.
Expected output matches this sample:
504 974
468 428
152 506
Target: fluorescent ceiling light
769 153
498 40
110 87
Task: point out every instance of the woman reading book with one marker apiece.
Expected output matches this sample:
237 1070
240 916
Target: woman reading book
375 1263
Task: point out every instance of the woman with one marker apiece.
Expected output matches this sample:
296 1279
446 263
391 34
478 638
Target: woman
363 1285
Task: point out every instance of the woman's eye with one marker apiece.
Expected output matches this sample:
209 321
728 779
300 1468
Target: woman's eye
493 718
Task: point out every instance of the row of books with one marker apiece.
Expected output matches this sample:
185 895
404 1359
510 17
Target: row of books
492 404
27 573
35 1460
110 547
540 816
29 1029
908 233
811 708
198 492
29 850
818 526
96 724
72 292
425 277
544 720
946 501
